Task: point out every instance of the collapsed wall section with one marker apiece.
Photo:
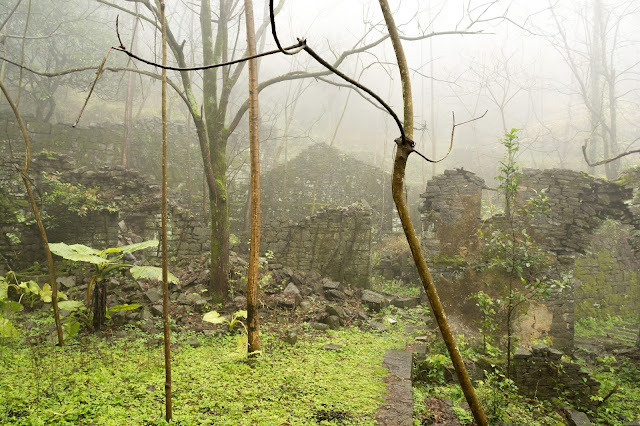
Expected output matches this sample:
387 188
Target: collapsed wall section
100 208
336 242
579 205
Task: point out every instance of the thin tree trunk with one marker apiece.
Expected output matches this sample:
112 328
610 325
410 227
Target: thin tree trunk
24 38
189 166
594 90
165 256
613 126
254 250
36 213
128 105
402 152
99 304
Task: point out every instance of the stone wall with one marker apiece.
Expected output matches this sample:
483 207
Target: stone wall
94 146
321 177
542 373
579 204
336 242
608 274
136 217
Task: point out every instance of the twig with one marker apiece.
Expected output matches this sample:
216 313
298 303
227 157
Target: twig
608 160
98 73
288 50
321 61
453 129
611 392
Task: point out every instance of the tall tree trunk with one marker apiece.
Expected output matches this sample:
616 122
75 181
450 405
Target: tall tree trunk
217 136
219 216
254 250
165 251
614 169
128 105
24 39
402 152
595 110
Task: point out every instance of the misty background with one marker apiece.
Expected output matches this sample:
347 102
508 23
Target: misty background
541 67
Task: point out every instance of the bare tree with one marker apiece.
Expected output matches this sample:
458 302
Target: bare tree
599 68
36 212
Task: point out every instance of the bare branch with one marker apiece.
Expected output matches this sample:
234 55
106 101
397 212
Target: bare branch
453 129
606 161
93 67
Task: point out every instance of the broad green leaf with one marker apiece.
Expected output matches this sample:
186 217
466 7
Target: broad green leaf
7 329
138 246
78 253
70 329
4 289
242 346
110 250
151 273
240 314
70 305
10 306
34 287
125 307
46 293
214 318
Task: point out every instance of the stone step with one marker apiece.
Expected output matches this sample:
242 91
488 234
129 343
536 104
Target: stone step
397 409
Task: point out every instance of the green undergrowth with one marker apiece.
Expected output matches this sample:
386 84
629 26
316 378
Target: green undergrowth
118 381
395 286
625 328
619 380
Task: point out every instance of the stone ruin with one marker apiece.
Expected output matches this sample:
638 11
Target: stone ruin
542 373
321 177
580 204
335 242
133 214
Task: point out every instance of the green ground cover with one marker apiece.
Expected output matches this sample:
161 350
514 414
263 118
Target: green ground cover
120 381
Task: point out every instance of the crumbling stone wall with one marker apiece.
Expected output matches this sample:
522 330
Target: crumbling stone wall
138 217
579 203
608 274
95 146
321 177
336 242
542 373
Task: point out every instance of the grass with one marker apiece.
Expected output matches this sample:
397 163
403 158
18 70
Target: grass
120 381
394 286
619 376
587 327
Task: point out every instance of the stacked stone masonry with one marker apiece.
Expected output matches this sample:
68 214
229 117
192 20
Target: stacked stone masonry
137 217
579 205
543 373
100 145
336 242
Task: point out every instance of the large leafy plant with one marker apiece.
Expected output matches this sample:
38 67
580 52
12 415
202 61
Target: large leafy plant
107 261
214 317
27 293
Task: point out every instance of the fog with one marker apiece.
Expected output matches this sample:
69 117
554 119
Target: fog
528 64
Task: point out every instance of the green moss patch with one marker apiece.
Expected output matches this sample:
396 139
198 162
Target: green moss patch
121 381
